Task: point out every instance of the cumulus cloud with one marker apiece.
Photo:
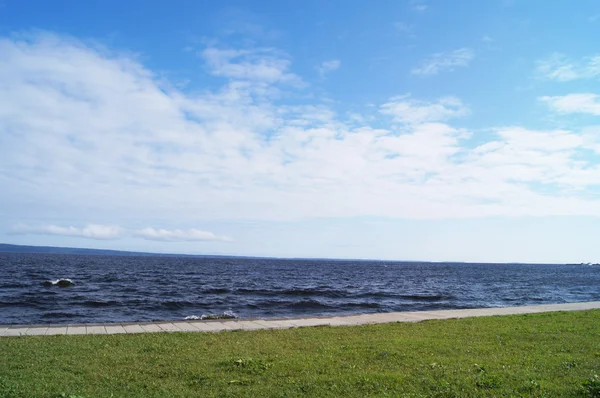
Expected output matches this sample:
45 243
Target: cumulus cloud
404 109
90 231
178 235
574 103
328 66
560 68
81 125
446 61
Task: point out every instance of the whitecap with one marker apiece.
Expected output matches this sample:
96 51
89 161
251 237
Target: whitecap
224 315
63 282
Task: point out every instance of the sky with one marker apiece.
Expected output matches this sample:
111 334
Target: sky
402 130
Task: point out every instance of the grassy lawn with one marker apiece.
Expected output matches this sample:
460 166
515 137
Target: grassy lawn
553 355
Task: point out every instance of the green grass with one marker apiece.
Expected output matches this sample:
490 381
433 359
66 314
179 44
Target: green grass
541 355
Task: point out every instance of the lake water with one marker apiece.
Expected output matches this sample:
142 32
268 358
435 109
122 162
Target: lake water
121 289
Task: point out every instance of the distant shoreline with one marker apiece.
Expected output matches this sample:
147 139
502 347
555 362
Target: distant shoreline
29 249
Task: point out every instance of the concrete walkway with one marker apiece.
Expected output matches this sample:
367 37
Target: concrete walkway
256 324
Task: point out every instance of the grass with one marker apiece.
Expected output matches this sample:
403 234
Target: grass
539 355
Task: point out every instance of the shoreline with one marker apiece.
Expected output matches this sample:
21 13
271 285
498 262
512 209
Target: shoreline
219 325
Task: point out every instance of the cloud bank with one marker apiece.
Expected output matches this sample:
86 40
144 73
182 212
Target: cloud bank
84 125
111 232
178 235
90 231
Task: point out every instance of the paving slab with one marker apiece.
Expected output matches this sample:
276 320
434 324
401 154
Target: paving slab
133 328
114 329
400 317
95 329
37 331
76 330
185 327
207 326
151 328
423 315
248 325
54 330
339 321
355 320
306 322
15 332
223 326
168 327
278 324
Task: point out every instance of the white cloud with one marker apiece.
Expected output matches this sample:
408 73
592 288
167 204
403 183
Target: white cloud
419 5
109 232
179 235
440 62
90 231
404 109
263 65
80 125
329 66
574 103
560 68
406 29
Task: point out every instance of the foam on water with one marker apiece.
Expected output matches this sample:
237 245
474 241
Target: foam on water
224 315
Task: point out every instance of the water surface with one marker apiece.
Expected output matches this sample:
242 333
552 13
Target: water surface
119 289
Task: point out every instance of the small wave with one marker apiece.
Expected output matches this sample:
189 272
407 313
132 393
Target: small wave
224 315
176 304
522 299
426 297
333 293
216 290
308 304
109 278
361 305
10 304
99 303
311 304
59 314
13 285
59 282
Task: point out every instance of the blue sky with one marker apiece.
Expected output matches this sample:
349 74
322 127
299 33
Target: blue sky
409 130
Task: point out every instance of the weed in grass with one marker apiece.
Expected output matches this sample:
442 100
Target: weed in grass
251 366
240 382
568 364
591 387
486 380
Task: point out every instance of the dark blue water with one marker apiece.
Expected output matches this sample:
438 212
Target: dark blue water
119 289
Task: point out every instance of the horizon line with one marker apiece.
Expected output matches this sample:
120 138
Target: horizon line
117 252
